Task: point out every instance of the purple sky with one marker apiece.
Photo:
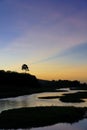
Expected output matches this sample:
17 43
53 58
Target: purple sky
48 35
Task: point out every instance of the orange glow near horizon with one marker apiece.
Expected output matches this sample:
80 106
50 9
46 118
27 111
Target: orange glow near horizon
54 71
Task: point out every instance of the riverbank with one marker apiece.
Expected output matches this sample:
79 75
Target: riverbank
40 116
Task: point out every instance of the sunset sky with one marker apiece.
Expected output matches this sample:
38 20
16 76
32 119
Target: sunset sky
50 36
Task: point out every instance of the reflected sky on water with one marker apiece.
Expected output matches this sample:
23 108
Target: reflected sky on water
34 100
81 125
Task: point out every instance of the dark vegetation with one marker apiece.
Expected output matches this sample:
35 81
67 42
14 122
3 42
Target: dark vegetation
49 97
74 85
74 97
40 116
15 84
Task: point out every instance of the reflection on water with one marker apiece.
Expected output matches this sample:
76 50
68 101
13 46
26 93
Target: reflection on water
33 100
81 125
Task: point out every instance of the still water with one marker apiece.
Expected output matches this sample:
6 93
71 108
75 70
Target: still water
81 125
34 100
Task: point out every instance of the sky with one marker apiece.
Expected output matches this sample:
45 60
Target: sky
50 36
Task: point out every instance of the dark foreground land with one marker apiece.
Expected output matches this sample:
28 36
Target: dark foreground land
40 116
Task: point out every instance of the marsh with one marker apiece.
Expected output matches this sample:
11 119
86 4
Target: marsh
44 100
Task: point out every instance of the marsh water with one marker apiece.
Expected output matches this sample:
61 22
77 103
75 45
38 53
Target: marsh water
34 101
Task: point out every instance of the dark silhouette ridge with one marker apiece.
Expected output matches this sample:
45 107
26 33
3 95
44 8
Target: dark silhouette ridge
15 84
75 85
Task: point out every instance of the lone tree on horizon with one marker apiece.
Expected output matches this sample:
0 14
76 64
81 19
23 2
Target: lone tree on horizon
25 67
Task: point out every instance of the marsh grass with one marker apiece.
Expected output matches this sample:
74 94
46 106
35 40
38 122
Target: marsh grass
49 97
40 116
74 97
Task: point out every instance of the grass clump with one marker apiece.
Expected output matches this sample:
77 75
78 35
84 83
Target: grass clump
74 97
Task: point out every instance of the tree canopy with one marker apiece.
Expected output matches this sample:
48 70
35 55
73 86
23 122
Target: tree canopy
25 67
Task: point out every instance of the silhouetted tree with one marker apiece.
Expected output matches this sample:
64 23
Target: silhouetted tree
25 67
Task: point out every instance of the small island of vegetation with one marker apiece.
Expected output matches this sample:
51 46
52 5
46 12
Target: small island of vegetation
40 116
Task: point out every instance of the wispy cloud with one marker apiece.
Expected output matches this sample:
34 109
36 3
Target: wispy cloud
78 52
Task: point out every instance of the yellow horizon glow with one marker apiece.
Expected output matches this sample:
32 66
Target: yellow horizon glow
54 71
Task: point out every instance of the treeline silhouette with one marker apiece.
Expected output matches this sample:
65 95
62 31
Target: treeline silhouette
64 84
14 84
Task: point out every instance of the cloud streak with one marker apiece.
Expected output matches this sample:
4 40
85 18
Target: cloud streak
78 52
